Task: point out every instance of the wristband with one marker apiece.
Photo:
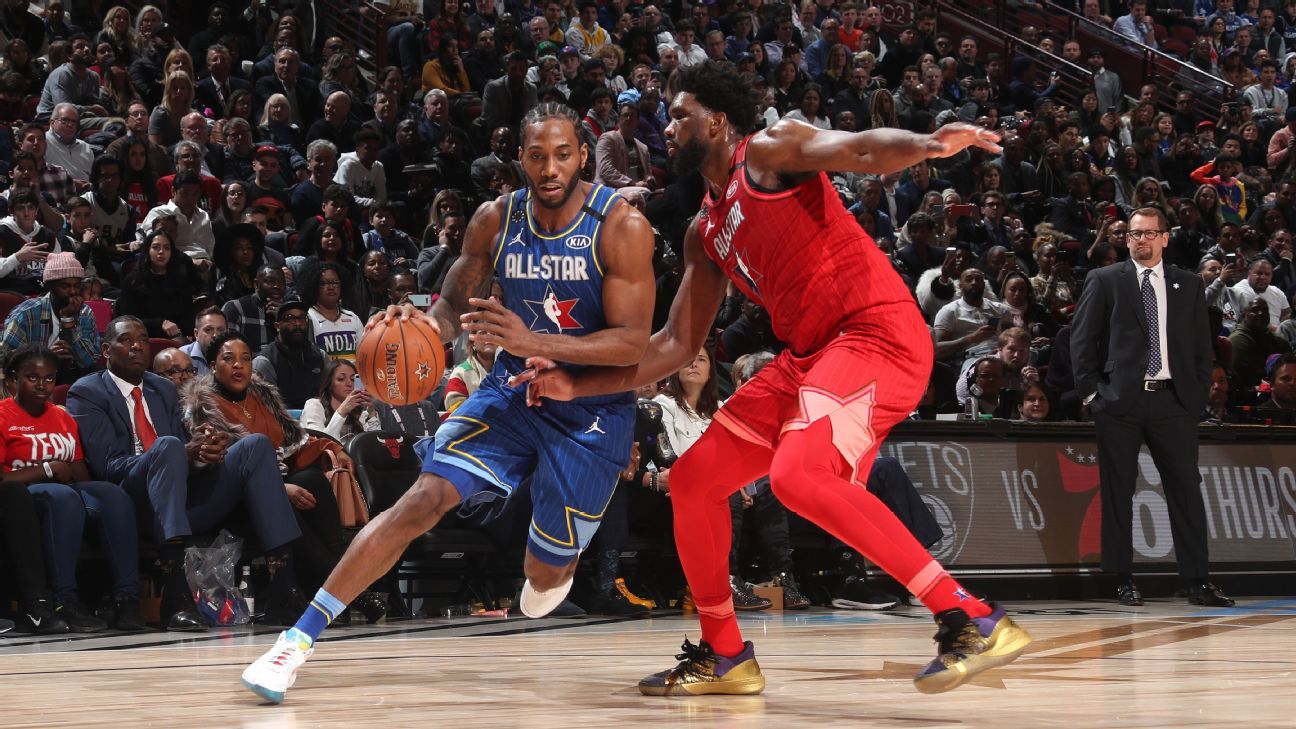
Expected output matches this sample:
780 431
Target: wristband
653 482
49 471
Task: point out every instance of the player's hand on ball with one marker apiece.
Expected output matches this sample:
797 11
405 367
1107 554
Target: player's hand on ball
494 323
954 138
401 312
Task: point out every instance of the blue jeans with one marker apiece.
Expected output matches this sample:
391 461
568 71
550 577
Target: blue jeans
407 43
63 510
186 501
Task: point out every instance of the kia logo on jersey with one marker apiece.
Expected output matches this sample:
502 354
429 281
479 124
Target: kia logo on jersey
579 242
733 187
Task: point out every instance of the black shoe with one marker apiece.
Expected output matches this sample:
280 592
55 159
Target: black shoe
744 598
1206 593
1128 594
6 626
792 597
285 606
612 602
79 619
855 594
39 617
373 607
126 616
178 612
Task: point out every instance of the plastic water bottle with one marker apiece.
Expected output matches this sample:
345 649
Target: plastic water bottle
246 589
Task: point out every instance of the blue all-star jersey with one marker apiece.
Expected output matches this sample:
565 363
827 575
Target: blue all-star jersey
553 280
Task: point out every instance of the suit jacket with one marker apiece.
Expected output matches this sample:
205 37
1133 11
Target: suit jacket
101 413
1109 351
207 96
309 104
497 104
612 158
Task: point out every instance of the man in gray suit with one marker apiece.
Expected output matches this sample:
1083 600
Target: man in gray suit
508 97
1141 352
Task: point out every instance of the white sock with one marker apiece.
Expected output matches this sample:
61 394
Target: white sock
537 604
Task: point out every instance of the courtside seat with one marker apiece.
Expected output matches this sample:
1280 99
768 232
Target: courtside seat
386 467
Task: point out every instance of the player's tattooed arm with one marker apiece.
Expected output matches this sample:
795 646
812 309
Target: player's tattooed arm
471 274
793 148
629 287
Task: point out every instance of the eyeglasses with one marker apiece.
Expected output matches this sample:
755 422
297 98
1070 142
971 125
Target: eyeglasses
1144 234
177 371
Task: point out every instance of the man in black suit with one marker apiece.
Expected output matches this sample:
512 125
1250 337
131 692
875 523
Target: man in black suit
303 94
508 97
1141 352
215 89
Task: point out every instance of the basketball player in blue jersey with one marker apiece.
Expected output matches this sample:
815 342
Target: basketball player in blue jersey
575 264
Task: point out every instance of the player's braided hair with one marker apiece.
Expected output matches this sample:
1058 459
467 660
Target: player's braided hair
550 110
719 86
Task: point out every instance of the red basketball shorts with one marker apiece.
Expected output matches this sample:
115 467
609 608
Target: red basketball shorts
865 381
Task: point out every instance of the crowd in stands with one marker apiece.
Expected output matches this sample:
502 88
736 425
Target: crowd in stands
194 230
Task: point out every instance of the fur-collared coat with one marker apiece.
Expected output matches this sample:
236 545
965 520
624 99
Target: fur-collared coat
198 408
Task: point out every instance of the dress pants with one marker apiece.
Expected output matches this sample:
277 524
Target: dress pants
322 542
183 500
771 520
63 510
1170 432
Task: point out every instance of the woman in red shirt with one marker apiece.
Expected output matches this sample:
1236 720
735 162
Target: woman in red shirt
40 448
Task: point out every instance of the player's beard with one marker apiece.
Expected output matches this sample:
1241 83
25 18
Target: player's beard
567 193
689 156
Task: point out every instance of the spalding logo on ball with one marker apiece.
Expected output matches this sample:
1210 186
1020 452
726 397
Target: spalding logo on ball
401 362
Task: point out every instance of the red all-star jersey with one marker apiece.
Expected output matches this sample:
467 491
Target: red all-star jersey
801 256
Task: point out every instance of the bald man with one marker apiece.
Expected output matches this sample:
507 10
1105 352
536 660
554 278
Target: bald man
337 126
174 365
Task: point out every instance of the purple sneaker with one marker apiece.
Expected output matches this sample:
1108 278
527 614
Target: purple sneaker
968 646
701 671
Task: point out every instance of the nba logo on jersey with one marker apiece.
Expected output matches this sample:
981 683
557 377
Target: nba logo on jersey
555 312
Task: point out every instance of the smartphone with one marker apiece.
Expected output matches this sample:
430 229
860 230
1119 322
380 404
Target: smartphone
1230 257
958 211
359 384
951 249
422 301
1111 110
993 322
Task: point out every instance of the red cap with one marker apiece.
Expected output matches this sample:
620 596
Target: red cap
265 150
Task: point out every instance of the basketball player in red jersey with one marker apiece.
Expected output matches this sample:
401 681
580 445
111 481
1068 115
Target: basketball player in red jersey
858 359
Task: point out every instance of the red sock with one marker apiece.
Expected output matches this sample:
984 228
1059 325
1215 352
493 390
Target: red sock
717 465
807 477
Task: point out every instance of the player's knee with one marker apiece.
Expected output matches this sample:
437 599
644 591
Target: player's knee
544 576
425 503
791 481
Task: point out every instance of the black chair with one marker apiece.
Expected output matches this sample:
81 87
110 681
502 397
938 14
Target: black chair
386 467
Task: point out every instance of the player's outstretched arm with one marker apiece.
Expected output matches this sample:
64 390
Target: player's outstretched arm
791 147
626 252
467 277
692 313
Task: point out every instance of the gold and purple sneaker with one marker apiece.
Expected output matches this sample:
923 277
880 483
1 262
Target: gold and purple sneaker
701 671
968 646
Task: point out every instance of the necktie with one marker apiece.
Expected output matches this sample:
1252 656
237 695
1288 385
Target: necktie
143 428
1153 337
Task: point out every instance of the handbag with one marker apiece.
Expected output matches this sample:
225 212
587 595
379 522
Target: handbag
352 509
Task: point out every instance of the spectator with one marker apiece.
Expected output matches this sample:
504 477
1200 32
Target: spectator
361 173
140 443
1282 142
504 100
237 405
1036 404
254 316
1216 410
585 33
174 365
338 126
1282 396
189 158
64 147
266 188
1015 354
1053 285
1234 300
1253 344
308 195
42 450
467 376
24 244
220 83
54 182
239 254
343 407
277 127
966 327
809 107
194 236
95 254
177 101
383 236
1265 95
303 95
435 262
1137 26
158 291
60 316
369 293
337 330
291 361
208 324
623 160
73 83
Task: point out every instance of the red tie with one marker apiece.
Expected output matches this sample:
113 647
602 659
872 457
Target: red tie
143 428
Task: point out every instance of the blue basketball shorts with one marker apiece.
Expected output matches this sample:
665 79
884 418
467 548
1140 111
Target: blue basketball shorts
573 452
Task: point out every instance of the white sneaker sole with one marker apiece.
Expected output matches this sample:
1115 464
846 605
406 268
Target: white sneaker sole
536 604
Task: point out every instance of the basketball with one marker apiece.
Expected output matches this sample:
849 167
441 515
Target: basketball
401 362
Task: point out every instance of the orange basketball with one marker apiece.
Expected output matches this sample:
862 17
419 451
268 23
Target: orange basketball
401 362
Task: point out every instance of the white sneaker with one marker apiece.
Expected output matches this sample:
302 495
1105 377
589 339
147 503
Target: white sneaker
271 675
537 604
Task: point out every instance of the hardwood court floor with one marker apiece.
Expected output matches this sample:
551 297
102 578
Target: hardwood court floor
1093 665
